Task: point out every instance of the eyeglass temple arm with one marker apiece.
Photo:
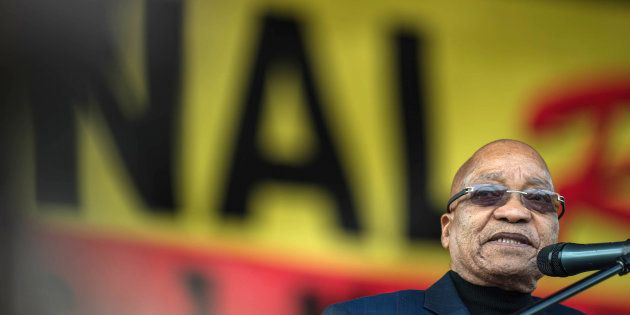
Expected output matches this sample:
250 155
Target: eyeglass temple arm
456 196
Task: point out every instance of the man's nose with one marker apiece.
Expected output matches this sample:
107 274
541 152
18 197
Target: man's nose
513 210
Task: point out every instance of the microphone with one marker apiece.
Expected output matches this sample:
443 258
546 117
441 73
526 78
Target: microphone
568 259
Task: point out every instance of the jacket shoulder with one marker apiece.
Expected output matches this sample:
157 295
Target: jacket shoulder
387 303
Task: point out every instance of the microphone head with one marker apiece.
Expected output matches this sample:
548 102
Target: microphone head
548 261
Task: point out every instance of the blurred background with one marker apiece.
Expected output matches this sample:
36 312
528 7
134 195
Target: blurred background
276 156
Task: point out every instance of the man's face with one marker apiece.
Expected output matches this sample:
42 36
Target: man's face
497 245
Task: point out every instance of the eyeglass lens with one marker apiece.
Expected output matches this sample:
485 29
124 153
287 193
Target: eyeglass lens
537 200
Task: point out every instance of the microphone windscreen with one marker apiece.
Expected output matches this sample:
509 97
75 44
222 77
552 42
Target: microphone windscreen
549 263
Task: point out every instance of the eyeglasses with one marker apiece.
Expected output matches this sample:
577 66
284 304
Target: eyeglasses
487 195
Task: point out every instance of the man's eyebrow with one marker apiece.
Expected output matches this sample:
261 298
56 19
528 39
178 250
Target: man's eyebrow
495 176
498 177
534 181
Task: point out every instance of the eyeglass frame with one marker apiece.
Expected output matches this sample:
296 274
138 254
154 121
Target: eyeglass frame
470 189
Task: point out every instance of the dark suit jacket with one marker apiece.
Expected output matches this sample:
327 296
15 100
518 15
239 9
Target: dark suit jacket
440 298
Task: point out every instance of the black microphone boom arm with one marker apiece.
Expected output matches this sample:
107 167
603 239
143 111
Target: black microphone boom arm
621 267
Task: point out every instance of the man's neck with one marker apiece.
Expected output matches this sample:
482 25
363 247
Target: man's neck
488 300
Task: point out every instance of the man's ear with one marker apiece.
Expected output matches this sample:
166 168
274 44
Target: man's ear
445 222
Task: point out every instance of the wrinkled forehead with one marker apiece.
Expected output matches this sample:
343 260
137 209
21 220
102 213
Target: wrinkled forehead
516 170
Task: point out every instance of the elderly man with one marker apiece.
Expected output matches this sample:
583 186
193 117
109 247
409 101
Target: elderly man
502 211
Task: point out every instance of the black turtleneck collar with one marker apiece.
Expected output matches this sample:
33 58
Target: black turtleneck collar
489 300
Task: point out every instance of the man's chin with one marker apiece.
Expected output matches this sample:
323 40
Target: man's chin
508 270
511 266
511 275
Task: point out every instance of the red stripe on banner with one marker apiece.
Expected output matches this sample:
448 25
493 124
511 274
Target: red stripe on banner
103 275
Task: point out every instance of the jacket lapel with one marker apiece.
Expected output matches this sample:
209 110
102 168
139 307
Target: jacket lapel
442 298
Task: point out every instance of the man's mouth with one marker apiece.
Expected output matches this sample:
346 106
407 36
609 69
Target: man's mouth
510 239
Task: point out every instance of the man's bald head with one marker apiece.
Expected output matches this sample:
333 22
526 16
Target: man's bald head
493 149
